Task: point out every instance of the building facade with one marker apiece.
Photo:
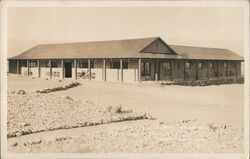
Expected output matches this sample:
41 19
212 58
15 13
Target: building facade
133 60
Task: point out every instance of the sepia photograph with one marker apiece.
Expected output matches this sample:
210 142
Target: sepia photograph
134 78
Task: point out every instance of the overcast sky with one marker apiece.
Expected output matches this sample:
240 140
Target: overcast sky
220 27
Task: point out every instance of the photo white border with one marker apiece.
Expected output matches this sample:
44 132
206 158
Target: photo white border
6 4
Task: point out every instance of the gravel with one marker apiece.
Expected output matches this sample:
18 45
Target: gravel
145 137
30 112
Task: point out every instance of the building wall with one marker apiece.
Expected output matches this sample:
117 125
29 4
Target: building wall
111 73
56 73
131 74
214 70
178 69
202 72
96 72
83 73
164 74
239 66
190 73
223 70
45 72
33 71
150 77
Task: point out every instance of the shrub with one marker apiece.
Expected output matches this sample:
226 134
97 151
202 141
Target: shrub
117 109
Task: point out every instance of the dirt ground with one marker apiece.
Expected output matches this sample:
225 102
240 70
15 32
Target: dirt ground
215 110
224 103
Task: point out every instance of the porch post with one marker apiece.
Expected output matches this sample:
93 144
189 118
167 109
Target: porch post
75 64
197 76
157 69
39 69
121 69
208 69
171 70
62 65
17 67
50 69
228 68
184 71
219 69
139 70
28 67
89 68
104 70
236 72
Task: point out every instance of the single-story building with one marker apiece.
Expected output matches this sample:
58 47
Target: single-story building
131 60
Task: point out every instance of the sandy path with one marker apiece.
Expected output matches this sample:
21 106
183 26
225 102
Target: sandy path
209 104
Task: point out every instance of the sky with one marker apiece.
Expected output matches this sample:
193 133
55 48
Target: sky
218 27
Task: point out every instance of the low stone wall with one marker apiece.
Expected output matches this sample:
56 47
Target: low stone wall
239 80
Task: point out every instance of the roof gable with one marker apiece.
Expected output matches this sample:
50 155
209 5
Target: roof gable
158 46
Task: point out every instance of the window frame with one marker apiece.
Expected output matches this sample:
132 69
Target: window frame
85 64
200 65
32 64
124 64
225 65
54 64
178 65
166 68
112 66
211 65
187 64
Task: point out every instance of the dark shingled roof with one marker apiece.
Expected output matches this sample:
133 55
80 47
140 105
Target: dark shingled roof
130 48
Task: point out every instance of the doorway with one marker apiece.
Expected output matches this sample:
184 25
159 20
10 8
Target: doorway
68 69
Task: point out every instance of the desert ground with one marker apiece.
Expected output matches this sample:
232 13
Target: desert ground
106 117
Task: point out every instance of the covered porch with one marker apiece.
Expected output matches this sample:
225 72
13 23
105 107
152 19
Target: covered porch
126 69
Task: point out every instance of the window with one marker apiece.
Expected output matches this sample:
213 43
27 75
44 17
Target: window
146 68
166 67
225 65
45 64
200 65
188 65
178 65
85 64
115 65
211 65
32 64
54 64
125 65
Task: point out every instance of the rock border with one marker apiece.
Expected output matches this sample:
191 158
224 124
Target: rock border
83 124
59 88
